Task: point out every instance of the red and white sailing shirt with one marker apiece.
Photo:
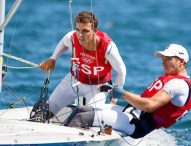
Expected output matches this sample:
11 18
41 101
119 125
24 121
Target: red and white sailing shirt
170 113
92 67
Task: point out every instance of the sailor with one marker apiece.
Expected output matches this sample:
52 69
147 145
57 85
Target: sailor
162 104
94 55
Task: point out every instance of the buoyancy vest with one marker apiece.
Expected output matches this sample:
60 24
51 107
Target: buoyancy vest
170 113
92 67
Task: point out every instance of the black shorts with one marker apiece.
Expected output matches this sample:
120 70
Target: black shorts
144 126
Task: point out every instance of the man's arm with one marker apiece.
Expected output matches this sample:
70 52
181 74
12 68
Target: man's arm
64 44
147 104
114 58
175 91
144 104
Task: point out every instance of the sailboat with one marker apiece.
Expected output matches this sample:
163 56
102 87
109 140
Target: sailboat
16 128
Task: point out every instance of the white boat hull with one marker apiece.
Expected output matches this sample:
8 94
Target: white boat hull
15 129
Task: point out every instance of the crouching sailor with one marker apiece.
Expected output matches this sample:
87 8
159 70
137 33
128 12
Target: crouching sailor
162 104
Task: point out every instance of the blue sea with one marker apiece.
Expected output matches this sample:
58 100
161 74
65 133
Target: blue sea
139 28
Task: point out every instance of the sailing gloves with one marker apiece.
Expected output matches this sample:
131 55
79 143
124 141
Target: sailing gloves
117 92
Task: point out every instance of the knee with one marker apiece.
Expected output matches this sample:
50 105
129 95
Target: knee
76 121
80 109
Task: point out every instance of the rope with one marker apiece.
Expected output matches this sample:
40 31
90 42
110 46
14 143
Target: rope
20 60
14 67
18 100
40 111
101 122
74 55
70 10
74 83
13 105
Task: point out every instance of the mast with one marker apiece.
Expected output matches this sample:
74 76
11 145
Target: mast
3 23
2 17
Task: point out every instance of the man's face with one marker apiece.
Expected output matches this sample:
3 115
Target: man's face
171 65
84 32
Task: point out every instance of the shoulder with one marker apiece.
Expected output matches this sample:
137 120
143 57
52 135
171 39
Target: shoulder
176 84
112 48
103 36
69 34
178 89
67 39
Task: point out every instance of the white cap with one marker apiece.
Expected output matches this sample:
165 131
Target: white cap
174 50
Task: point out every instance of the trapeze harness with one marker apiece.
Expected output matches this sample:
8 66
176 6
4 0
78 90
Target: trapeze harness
165 116
90 69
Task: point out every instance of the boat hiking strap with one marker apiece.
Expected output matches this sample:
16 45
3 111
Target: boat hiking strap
40 110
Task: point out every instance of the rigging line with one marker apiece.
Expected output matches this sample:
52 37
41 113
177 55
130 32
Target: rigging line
74 65
15 67
73 49
20 59
12 93
71 23
128 142
13 104
70 10
44 91
18 100
10 14
11 42
16 5
91 5
55 116
86 63
94 101
99 121
66 113
47 80
63 114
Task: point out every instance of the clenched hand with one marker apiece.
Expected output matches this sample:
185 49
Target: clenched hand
48 65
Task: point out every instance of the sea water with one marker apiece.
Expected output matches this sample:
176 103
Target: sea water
139 28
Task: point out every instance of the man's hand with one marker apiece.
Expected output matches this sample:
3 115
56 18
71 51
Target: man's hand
114 90
117 92
47 65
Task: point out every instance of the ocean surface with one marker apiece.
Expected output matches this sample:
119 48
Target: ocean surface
139 28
